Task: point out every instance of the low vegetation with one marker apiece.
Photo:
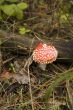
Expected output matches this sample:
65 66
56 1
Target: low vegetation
24 85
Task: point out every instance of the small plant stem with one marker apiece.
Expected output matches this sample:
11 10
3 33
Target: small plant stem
30 89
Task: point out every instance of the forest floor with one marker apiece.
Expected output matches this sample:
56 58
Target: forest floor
23 84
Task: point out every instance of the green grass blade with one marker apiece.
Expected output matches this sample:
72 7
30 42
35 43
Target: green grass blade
58 79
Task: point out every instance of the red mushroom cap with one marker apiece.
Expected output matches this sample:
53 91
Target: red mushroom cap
44 53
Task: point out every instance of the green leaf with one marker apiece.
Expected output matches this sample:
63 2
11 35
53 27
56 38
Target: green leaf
8 9
18 13
11 67
22 5
23 30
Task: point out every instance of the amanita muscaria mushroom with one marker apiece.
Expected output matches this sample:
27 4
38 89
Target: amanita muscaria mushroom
44 54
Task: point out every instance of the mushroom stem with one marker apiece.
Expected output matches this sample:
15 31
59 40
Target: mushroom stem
42 66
